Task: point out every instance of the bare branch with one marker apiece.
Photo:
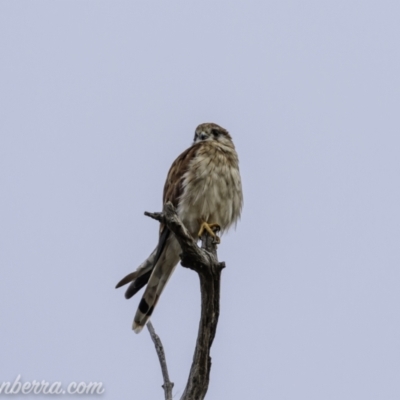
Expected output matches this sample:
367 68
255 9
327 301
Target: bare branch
205 262
157 216
168 385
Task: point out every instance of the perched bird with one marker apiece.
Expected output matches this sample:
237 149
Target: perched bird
204 185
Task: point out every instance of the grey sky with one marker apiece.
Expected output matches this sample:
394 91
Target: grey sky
97 100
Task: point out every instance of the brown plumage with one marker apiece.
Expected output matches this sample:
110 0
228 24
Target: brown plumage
204 185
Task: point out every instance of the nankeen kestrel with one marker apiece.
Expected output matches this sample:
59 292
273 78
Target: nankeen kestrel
204 185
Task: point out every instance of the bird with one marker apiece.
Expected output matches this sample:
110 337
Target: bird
204 185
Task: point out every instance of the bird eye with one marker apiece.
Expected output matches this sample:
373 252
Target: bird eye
215 132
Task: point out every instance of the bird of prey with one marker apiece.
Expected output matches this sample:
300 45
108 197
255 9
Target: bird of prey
204 185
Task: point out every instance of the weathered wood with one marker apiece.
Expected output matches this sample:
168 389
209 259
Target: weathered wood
210 283
168 385
205 262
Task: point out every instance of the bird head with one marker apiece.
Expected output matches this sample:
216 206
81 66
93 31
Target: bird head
209 132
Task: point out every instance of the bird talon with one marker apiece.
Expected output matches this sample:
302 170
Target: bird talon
215 227
211 229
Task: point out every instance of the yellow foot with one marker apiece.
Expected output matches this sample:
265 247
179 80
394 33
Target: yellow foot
210 229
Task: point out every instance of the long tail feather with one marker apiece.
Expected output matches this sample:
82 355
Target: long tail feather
158 279
141 275
137 284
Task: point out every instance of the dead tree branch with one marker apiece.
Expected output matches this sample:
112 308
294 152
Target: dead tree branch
205 262
168 385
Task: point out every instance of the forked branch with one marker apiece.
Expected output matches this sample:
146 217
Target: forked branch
205 262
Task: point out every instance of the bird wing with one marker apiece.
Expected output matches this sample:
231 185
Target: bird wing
168 248
172 191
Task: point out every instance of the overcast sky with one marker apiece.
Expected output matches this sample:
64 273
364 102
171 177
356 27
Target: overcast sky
97 98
